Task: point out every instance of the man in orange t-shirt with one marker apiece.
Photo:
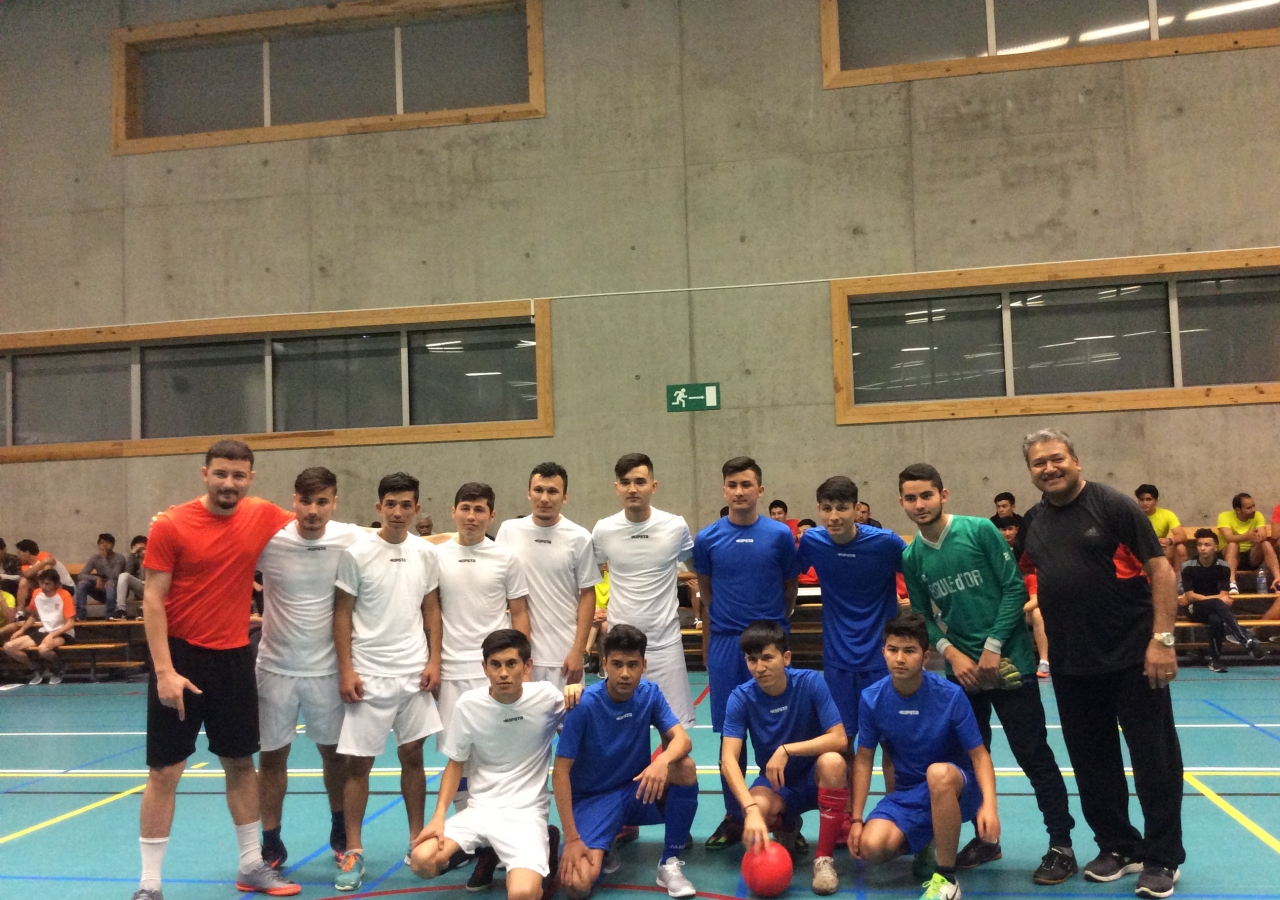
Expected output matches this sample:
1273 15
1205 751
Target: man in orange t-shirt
200 564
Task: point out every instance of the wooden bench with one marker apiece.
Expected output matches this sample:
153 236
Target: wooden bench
93 649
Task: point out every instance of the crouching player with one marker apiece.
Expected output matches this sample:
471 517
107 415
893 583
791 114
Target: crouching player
503 736
944 773
799 742
604 777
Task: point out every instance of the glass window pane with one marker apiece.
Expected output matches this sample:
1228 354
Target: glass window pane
466 61
889 32
484 374
349 381
60 397
927 349
203 389
1091 339
320 77
1230 329
1024 26
198 89
1179 18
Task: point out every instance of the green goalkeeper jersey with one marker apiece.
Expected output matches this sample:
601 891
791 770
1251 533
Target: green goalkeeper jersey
969 590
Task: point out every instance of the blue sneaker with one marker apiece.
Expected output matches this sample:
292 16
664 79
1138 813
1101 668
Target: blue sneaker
350 871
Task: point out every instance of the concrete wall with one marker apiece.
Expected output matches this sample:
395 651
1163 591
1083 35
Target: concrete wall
688 143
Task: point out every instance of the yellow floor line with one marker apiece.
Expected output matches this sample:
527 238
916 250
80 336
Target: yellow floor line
1250 826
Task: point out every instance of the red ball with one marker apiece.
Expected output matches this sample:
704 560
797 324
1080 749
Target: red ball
767 870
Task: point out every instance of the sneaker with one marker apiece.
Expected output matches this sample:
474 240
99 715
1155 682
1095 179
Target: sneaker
1232 639
611 863
551 882
786 838
1109 865
482 875
457 861
727 833
1254 646
628 834
266 880
825 879
1232 589
976 853
924 862
37 677
938 888
1055 867
350 871
1156 881
274 853
1042 670
148 894
55 678
1215 665
802 845
671 877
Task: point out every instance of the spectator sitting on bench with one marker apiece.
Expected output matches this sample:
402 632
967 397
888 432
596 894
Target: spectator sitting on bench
99 578
1242 536
57 612
131 580
1167 527
11 566
9 609
34 561
1206 599
862 515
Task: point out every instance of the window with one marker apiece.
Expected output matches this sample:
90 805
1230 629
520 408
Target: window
203 389
1193 17
472 375
1229 330
1025 26
872 32
336 382
61 397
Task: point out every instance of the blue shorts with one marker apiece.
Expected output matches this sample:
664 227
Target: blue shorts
798 796
600 817
726 669
846 690
912 812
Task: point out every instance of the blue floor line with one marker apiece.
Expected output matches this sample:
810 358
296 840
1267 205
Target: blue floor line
1227 712
74 768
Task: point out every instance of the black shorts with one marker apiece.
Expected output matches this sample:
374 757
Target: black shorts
227 706
38 636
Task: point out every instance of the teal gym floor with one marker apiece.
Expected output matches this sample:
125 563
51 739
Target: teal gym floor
73 759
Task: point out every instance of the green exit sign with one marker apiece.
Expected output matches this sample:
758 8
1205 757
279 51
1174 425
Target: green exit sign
693 397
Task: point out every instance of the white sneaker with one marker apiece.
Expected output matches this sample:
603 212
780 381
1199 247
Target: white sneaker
55 678
1042 670
938 888
825 879
1232 589
671 877
37 678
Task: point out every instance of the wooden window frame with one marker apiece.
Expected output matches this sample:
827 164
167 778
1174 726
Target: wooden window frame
128 44
833 76
1218 263
294 325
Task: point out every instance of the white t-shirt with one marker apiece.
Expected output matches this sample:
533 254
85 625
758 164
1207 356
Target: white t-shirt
388 582
475 584
642 558
558 562
507 747
297 608
54 611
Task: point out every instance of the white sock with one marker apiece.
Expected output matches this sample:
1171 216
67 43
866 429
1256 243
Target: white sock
250 849
152 861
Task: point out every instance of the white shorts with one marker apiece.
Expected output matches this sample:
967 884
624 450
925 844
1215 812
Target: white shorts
390 704
450 691
518 836
552 674
281 698
667 670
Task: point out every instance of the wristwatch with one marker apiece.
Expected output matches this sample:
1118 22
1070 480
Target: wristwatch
1164 638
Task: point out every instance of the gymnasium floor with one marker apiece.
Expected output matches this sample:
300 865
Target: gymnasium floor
74 765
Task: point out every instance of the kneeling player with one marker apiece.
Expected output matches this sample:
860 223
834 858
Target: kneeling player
944 773
503 735
604 778
798 739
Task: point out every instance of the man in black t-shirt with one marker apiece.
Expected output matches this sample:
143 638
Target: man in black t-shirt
1206 581
1108 597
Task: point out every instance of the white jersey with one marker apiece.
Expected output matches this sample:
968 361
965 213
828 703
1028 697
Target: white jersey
507 747
388 582
55 611
642 558
558 562
297 589
475 584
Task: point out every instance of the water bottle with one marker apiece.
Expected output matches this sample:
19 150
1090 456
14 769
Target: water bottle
1262 579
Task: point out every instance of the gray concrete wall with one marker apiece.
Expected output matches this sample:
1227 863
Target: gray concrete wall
688 144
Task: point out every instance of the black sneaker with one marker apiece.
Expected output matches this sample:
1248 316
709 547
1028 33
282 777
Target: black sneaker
1254 646
482 875
274 853
976 853
458 860
1109 865
1055 867
1215 665
727 833
1156 881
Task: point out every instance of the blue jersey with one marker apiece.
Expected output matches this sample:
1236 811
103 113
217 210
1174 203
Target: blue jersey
859 593
747 565
613 737
935 724
802 712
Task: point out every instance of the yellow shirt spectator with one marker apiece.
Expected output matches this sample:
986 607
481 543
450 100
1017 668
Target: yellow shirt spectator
1229 519
602 590
1163 521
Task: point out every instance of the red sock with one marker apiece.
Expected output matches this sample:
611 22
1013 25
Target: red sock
831 815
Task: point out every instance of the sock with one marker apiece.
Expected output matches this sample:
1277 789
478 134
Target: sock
250 850
831 806
681 807
271 837
337 828
947 872
152 861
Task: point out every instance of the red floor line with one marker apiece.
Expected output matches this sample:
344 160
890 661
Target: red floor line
703 696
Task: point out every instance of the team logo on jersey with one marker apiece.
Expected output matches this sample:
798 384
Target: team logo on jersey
639 537
541 541
314 549
515 719
848 555
778 710
745 541
908 712
621 717
466 559
397 559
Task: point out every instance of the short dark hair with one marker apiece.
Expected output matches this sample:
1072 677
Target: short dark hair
804 522
1005 495
1238 500
475 490
837 489
229 449
109 538
1005 522
26 545
1205 533
314 480
625 638
724 511
397 483
631 461
1147 489
741 464
760 634
137 539
506 639
908 625
3 545
778 504
49 574
551 470
919 472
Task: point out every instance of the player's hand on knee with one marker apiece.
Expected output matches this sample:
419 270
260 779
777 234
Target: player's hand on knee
854 843
170 687
433 830
653 781
574 859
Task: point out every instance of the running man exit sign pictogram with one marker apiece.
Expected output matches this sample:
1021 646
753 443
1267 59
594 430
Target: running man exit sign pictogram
693 397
